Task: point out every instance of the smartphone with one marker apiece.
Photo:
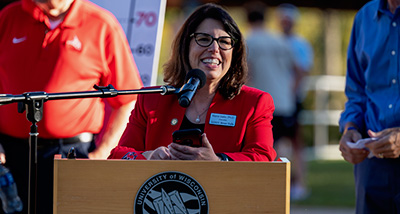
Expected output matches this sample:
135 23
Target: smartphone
188 137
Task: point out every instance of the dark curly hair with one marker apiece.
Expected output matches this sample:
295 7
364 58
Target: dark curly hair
178 65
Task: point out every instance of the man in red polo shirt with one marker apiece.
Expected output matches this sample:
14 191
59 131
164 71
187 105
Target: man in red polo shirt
61 46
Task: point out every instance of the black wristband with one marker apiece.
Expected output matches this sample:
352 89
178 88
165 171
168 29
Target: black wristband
223 156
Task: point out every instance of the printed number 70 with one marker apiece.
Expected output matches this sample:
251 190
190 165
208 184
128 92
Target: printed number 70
148 18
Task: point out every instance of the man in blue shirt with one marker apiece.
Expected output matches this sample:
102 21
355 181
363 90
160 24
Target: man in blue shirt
373 107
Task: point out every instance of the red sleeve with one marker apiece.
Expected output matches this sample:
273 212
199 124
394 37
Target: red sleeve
123 73
258 139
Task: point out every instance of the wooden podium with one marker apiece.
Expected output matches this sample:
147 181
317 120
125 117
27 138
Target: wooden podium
112 186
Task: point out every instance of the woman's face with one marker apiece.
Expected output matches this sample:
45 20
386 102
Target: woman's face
214 61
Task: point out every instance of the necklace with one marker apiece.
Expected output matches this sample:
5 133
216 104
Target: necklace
198 120
199 115
208 101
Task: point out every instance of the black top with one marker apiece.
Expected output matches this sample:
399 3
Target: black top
186 124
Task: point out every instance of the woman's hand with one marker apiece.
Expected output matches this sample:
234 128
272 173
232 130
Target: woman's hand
353 156
182 152
387 144
161 153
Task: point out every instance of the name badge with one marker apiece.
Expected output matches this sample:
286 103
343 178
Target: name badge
222 119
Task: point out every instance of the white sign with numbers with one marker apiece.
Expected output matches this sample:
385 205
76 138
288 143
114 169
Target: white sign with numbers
142 21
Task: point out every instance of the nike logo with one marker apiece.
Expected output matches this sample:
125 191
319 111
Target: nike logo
18 40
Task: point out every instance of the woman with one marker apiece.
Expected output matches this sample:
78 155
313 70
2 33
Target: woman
209 40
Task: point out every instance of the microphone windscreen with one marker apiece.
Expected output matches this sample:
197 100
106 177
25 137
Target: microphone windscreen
199 74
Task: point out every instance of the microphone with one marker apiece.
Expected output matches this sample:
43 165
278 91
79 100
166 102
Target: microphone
195 80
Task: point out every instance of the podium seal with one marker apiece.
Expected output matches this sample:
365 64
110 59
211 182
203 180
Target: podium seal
171 192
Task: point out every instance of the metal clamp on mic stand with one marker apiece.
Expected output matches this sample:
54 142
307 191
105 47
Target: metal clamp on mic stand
32 103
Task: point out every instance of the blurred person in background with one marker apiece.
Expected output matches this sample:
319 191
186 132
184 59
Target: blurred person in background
273 69
372 111
288 15
61 46
235 119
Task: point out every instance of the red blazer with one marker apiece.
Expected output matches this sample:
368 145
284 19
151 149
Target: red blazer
156 116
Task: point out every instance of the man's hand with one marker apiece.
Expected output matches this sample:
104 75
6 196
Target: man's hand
112 131
387 144
353 156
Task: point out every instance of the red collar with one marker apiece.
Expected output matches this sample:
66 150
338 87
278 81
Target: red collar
72 19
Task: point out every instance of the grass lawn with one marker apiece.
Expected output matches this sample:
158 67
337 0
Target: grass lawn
331 184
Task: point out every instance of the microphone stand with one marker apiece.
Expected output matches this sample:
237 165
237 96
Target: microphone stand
32 103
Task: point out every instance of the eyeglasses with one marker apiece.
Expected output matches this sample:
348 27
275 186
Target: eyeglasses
205 40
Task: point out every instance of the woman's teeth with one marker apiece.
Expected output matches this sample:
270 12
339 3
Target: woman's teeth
211 61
